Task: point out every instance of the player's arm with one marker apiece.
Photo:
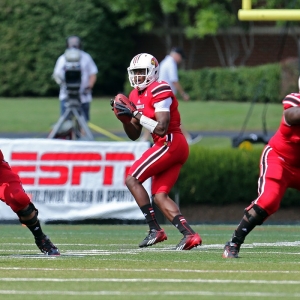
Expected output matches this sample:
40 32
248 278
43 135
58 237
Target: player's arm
158 126
133 129
124 107
292 115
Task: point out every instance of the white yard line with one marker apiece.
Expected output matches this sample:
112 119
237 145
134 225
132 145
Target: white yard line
147 280
158 293
212 246
148 270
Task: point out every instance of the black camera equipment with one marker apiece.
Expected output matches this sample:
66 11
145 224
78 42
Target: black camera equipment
253 138
72 124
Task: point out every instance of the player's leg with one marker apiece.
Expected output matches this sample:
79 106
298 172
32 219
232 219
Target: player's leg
252 217
156 233
153 161
272 184
162 183
13 194
29 217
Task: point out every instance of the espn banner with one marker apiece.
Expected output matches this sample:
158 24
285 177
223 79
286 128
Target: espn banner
74 180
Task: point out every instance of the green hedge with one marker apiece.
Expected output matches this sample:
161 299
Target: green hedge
239 84
222 176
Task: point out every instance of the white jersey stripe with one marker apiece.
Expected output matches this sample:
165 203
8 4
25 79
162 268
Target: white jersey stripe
263 171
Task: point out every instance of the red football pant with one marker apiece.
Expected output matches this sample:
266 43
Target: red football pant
275 177
162 162
11 190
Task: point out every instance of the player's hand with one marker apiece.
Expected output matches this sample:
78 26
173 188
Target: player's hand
123 110
122 99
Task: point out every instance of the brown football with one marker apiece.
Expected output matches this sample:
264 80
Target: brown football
123 100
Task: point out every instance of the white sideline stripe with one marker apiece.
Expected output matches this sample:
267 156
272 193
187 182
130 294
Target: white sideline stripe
165 293
161 280
148 270
212 246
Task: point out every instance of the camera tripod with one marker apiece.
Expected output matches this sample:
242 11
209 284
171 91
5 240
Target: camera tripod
73 115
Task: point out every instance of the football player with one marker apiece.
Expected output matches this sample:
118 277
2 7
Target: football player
155 107
279 170
13 194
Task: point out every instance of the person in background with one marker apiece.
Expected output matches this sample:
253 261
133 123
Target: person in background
279 170
89 72
13 194
168 71
154 107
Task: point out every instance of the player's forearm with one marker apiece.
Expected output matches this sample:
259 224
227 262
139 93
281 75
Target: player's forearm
133 131
159 127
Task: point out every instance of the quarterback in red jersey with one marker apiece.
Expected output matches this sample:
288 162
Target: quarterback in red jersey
155 107
279 170
13 194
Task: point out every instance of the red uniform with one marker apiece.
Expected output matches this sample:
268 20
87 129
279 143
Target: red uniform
11 190
280 162
165 158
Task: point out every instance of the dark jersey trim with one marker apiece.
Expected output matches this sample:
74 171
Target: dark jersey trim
293 100
160 88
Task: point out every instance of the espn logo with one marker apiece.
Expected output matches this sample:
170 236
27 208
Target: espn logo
61 168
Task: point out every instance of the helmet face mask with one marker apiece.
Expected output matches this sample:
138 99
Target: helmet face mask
143 70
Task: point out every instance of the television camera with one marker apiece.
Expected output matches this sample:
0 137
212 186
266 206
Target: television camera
72 124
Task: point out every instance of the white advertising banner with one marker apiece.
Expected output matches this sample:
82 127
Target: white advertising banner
74 180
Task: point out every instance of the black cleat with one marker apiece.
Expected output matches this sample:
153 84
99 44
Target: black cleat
189 241
231 250
46 246
154 236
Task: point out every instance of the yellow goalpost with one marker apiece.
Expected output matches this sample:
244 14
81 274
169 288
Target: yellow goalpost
249 14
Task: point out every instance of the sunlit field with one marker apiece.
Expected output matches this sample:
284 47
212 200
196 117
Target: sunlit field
104 262
39 114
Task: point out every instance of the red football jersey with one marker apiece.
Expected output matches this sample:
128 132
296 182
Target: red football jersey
286 141
156 92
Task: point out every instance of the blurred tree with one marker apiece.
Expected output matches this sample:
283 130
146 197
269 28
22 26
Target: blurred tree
192 19
33 35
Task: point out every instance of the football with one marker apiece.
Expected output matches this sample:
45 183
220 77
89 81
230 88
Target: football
120 98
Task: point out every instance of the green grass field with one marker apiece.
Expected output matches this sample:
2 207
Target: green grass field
104 262
38 115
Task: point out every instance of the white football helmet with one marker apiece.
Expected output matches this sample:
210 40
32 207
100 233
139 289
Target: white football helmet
147 62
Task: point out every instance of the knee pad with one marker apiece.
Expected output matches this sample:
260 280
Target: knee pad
259 217
26 212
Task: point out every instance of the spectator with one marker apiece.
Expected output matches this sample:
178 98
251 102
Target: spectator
88 77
